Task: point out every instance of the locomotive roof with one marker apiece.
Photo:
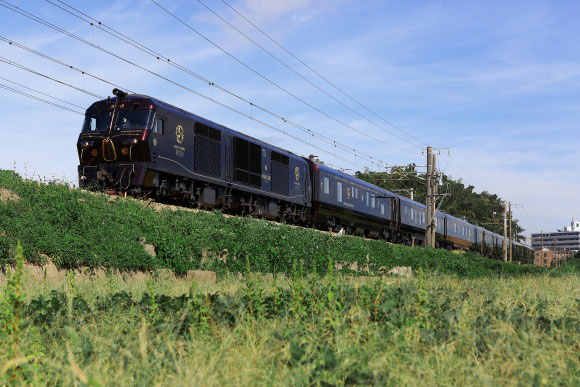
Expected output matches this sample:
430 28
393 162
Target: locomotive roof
158 103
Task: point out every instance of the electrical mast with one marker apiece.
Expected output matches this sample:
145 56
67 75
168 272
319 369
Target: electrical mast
511 236
430 211
429 186
505 250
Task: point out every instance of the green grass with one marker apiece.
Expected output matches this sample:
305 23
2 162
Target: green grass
78 229
311 330
463 320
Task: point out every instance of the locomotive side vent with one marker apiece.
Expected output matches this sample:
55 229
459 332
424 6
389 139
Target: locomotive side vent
109 152
280 176
207 150
247 161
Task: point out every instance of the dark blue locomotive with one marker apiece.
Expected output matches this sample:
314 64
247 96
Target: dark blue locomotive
138 145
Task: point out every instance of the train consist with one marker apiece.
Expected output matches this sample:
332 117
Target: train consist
138 145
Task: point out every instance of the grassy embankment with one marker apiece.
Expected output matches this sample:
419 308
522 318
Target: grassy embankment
506 324
78 229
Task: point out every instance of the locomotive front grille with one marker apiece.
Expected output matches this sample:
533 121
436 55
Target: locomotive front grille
109 152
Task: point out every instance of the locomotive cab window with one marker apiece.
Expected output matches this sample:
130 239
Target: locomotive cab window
97 121
382 209
326 185
92 124
159 126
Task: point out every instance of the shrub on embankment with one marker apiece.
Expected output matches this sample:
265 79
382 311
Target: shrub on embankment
76 228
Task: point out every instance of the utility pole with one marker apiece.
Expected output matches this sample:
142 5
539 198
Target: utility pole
511 236
429 186
505 254
434 185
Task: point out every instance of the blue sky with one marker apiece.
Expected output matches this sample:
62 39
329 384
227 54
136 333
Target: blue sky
494 81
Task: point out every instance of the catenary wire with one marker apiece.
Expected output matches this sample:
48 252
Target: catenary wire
311 133
338 88
277 59
5 87
41 99
32 51
128 40
321 76
276 85
467 173
74 111
40 92
17 65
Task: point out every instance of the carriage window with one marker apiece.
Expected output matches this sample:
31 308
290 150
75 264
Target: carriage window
422 217
367 195
326 186
412 213
159 126
455 227
382 209
339 192
373 201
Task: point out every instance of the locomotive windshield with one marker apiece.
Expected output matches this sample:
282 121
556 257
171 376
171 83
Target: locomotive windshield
126 120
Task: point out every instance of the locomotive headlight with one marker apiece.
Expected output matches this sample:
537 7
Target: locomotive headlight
130 141
94 153
86 144
125 151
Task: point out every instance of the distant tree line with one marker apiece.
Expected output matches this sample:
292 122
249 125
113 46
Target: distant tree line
482 209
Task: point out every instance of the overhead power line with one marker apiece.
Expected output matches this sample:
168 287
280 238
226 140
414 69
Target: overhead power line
467 173
40 92
331 142
17 65
286 65
276 85
54 60
41 99
321 76
118 35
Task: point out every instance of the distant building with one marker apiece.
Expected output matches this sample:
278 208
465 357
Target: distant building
574 226
549 258
567 239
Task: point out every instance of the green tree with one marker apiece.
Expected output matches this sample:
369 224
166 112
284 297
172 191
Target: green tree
482 209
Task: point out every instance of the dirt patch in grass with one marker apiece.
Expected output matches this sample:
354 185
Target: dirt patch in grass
8 196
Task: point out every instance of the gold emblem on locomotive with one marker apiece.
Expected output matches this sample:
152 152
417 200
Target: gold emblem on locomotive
297 173
179 133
